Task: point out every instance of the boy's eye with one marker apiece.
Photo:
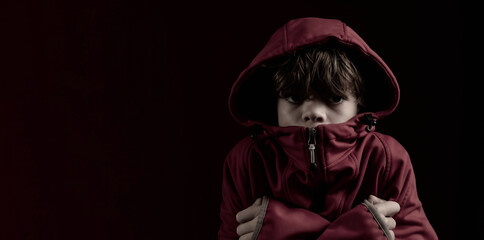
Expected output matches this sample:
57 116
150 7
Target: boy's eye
336 99
293 99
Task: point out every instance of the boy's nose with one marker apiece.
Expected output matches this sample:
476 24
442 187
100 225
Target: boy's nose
313 117
314 113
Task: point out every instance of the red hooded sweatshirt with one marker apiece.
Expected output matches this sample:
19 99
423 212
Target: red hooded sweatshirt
314 181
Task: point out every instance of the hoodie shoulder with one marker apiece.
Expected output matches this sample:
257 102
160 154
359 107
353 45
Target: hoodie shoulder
240 152
387 152
391 146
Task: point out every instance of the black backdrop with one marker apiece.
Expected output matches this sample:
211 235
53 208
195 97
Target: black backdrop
114 113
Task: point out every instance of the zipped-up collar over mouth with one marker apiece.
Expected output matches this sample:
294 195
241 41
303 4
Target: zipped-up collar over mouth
353 128
316 140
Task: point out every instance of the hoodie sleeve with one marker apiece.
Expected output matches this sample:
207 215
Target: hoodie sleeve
399 185
236 193
285 222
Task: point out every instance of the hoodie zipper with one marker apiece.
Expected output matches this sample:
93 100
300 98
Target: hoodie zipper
312 146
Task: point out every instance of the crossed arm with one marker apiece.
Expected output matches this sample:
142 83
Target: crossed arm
249 219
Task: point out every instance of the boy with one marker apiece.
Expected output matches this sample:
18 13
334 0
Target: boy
314 167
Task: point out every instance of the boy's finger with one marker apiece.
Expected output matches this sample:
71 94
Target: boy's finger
388 208
250 212
247 227
247 236
392 235
246 215
391 223
375 200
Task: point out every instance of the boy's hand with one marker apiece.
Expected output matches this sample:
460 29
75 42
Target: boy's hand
247 220
386 210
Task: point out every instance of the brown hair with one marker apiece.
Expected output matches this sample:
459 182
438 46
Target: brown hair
319 71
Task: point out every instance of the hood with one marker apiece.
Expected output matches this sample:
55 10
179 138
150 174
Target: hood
251 100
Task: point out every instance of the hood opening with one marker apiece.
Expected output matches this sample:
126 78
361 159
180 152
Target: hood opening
253 99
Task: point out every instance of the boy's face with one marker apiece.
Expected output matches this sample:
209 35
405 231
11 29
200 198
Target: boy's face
315 111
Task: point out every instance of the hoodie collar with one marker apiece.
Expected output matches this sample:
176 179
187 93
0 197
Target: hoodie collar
330 142
356 127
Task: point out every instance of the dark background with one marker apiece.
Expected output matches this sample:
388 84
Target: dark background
114 117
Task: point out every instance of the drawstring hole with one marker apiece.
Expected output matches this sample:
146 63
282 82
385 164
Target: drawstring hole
368 128
370 121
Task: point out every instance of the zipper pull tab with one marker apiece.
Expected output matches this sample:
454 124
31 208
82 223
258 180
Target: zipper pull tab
312 146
